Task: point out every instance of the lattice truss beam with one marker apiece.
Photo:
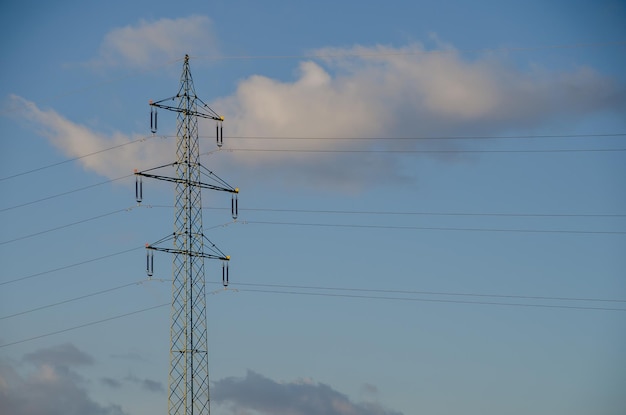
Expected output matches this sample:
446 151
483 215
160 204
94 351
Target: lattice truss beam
189 368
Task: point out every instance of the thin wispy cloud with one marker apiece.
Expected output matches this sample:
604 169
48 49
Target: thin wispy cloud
111 383
146 384
76 140
133 356
148 43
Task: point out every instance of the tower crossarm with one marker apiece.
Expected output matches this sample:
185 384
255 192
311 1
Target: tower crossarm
188 182
203 111
189 253
216 252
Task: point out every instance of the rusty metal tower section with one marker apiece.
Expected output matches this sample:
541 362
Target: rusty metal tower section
189 367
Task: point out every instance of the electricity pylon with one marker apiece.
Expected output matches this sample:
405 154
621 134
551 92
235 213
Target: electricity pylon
189 368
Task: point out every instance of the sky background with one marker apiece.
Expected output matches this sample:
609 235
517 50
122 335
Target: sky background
432 207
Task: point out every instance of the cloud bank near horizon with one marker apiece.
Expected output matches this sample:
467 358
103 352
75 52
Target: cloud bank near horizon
256 394
48 382
52 387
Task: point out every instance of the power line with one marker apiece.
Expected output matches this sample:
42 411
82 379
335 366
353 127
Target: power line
435 300
477 137
93 294
87 261
76 158
365 297
333 225
441 293
293 150
351 296
91 260
80 189
319 56
69 92
343 289
84 325
537 215
410 53
430 228
302 151
67 225
424 213
449 137
108 290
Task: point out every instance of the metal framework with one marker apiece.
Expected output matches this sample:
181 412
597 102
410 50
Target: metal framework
189 368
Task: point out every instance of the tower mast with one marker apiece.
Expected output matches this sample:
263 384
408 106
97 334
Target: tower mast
189 368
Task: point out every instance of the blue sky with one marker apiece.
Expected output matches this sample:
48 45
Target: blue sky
383 262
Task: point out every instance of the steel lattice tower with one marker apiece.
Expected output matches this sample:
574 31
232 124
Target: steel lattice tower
189 368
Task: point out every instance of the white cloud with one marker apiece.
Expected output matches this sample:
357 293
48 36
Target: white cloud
390 91
77 140
256 394
353 92
394 92
156 42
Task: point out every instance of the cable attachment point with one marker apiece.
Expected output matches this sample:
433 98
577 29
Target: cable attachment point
219 133
234 206
149 261
225 273
153 119
138 187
